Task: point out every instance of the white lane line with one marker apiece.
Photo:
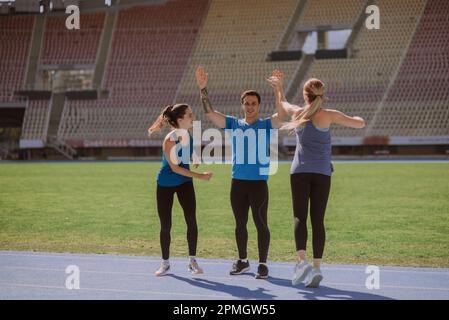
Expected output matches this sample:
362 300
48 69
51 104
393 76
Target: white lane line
382 269
70 256
236 278
27 285
387 286
87 257
105 257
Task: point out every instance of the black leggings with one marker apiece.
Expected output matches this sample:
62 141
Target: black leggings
254 194
186 197
316 187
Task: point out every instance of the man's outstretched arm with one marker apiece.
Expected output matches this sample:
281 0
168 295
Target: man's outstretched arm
218 118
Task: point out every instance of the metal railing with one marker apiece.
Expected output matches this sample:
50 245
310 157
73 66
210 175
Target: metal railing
62 147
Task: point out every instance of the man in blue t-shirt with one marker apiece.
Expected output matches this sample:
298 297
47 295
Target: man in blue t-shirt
250 165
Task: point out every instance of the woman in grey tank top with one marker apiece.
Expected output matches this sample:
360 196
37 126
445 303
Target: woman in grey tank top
311 170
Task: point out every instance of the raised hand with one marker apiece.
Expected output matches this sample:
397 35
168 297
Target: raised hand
278 74
276 79
201 80
201 77
274 82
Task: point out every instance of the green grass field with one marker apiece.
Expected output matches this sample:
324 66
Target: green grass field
378 213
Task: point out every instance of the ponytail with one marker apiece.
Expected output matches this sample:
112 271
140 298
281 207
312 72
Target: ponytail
314 90
169 116
160 121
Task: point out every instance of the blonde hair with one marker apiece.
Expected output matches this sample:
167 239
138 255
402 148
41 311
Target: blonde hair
314 92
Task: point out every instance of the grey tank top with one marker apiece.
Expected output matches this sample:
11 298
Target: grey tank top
313 150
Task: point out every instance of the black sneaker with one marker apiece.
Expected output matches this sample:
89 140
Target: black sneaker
239 267
262 272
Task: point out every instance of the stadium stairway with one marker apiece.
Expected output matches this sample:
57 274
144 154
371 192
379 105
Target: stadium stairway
52 141
57 105
290 30
299 75
358 25
36 44
62 147
105 44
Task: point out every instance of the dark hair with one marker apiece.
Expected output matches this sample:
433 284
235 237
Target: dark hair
250 93
172 113
169 115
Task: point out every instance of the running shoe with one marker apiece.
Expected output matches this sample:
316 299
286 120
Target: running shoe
194 268
239 267
302 269
262 272
163 269
314 278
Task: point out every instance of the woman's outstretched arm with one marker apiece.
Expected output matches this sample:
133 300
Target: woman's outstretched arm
340 118
283 107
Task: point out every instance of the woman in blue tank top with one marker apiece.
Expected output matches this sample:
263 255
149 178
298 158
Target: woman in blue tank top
175 177
311 170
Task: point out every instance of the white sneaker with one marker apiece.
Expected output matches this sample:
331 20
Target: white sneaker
194 268
302 269
163 269
314 278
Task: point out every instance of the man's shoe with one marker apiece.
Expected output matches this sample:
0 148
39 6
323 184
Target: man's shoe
239 267
262 272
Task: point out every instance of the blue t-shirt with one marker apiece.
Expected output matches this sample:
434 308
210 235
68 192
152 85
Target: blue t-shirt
247 139
166 177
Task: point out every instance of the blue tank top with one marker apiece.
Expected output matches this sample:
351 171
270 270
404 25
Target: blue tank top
313 150
166 177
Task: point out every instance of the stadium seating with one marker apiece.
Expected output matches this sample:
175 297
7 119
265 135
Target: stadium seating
150 49
35 121
357 85
418 102
325 13
62 46
396 77
15 39
233 47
